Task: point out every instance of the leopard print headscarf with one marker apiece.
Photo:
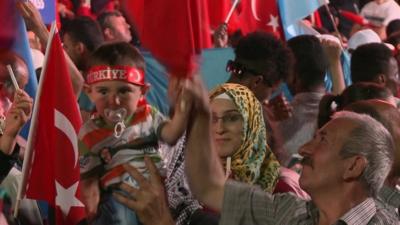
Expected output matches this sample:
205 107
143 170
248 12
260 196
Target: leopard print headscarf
253 162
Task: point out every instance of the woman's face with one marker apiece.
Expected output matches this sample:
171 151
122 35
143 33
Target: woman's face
227 127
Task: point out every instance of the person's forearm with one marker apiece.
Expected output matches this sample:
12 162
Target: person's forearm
76 76
42 33
174 129
203 167
7 143
338 84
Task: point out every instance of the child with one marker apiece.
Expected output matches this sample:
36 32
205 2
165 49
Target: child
123 130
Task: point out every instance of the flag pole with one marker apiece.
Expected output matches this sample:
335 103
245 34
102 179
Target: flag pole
334 24
228 17
13 79
29 149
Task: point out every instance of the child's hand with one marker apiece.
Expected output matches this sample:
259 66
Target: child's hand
176 93
18 114
105 155
197 94
332 49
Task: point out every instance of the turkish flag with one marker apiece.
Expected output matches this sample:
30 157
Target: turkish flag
355 18
260 15
53 168
173 31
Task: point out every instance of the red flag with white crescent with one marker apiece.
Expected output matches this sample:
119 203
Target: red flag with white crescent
260 15
54 171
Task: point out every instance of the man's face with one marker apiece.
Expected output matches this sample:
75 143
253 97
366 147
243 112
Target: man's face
120 29
114 95
7 88
393 77
323 167
250 77
70 47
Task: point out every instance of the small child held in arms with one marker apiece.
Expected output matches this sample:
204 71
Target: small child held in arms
123 130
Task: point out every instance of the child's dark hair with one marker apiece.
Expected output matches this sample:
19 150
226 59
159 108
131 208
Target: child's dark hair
117 53
370 60
355 92
276 57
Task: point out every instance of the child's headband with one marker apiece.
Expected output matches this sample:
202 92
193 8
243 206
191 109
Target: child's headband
122 73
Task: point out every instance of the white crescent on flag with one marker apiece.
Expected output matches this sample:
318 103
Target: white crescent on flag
63 124
254 9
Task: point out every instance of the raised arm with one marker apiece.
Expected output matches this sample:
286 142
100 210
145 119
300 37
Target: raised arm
34 21
16 117
205 174
333 51
174 128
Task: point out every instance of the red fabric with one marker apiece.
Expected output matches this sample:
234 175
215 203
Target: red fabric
67 3
317 20
54 141
134 11
218 11
260 15
8 21
85 11
200 23
174 31
354 17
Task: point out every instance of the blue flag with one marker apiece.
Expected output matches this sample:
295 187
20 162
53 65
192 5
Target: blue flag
47 9
292 11
21 47
212 68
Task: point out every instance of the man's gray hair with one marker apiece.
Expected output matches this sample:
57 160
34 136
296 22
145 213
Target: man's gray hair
370 139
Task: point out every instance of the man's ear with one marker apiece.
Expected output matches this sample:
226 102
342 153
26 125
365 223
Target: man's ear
80 48
355 167
108 34
255 81
381 79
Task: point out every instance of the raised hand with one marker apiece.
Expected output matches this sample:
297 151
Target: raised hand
18 114
220 36
148 201
33 20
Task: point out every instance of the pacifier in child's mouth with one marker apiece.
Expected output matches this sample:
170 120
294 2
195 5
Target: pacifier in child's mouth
116 116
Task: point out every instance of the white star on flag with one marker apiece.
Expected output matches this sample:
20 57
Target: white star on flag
66 198
273 22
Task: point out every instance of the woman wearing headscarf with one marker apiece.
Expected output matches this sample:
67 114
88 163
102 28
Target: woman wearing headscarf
239 135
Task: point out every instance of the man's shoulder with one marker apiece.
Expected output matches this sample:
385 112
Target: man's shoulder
234 189
251 205
384 217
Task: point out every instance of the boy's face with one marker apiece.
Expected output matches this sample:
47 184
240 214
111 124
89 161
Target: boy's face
114 95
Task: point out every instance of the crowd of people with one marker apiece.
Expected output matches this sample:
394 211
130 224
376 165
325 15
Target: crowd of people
245 153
